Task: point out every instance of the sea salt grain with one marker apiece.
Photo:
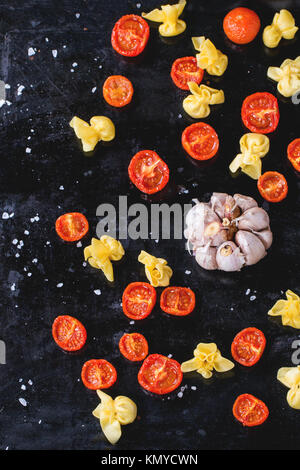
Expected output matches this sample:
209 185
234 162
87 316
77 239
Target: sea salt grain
94 89
180 395
23 401
28 150
31 51
97 291
54 53
5 215
20 90
247 292
253 297
60 284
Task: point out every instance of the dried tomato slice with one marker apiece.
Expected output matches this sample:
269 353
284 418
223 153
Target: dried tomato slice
200 141
69 333
98 373
148 172
117 91
272 186
260 112
248 346
134 346
250 411
179 301
138 300
160 374
184 70
130 35
72 227
293 153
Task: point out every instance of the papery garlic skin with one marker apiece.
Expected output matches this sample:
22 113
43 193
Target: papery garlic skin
283 26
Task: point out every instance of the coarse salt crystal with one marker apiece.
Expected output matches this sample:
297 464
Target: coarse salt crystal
60 284
31 51
97 291
23 401
54 53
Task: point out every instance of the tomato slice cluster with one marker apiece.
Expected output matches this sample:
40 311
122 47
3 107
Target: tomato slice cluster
184 70
179 301
200 141
249 410
293 153
138 300
134 346
248 346
69 333
260 112
117 91
98 373
130 35
148 172
72 226
241 25
160 374
272 186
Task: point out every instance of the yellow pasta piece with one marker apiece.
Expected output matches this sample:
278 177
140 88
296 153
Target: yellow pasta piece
100 128
207 357
289 310
168 15
283 26
197 104
253 148
157 271
113 413
290 377
101 252
209 58
287 76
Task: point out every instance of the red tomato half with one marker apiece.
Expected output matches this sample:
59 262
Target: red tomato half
272 186
98 373
159 374
200 141
69 333
130 35
178 301
148 172
293 153
184 70
260 112
250 411
72 227
248 346
117 91
241 25
138 300
134 346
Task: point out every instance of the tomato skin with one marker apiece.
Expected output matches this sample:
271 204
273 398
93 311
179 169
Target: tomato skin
293 153
117 91
184 70
169 370
146 180
71 226
127 27
134 346
241 25
207 137
144 293
68 333
180 306
248 342
94 368
244 409
254 110
272 186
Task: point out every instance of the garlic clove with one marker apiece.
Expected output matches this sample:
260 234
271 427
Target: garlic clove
244 202
206 257
251 246
229 257
254 219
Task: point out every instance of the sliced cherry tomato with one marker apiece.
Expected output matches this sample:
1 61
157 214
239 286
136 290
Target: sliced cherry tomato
178 301
200 141
159 374
241 25
138 300
117 91
69 333
134 346
248 346
148 172
130 35
272 186
293 152
250 411
184 70
72 227
260 112
98 373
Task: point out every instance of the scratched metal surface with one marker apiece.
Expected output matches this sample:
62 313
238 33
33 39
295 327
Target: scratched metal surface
54 177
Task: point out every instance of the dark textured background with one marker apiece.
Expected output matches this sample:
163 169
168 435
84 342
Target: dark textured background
58 412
